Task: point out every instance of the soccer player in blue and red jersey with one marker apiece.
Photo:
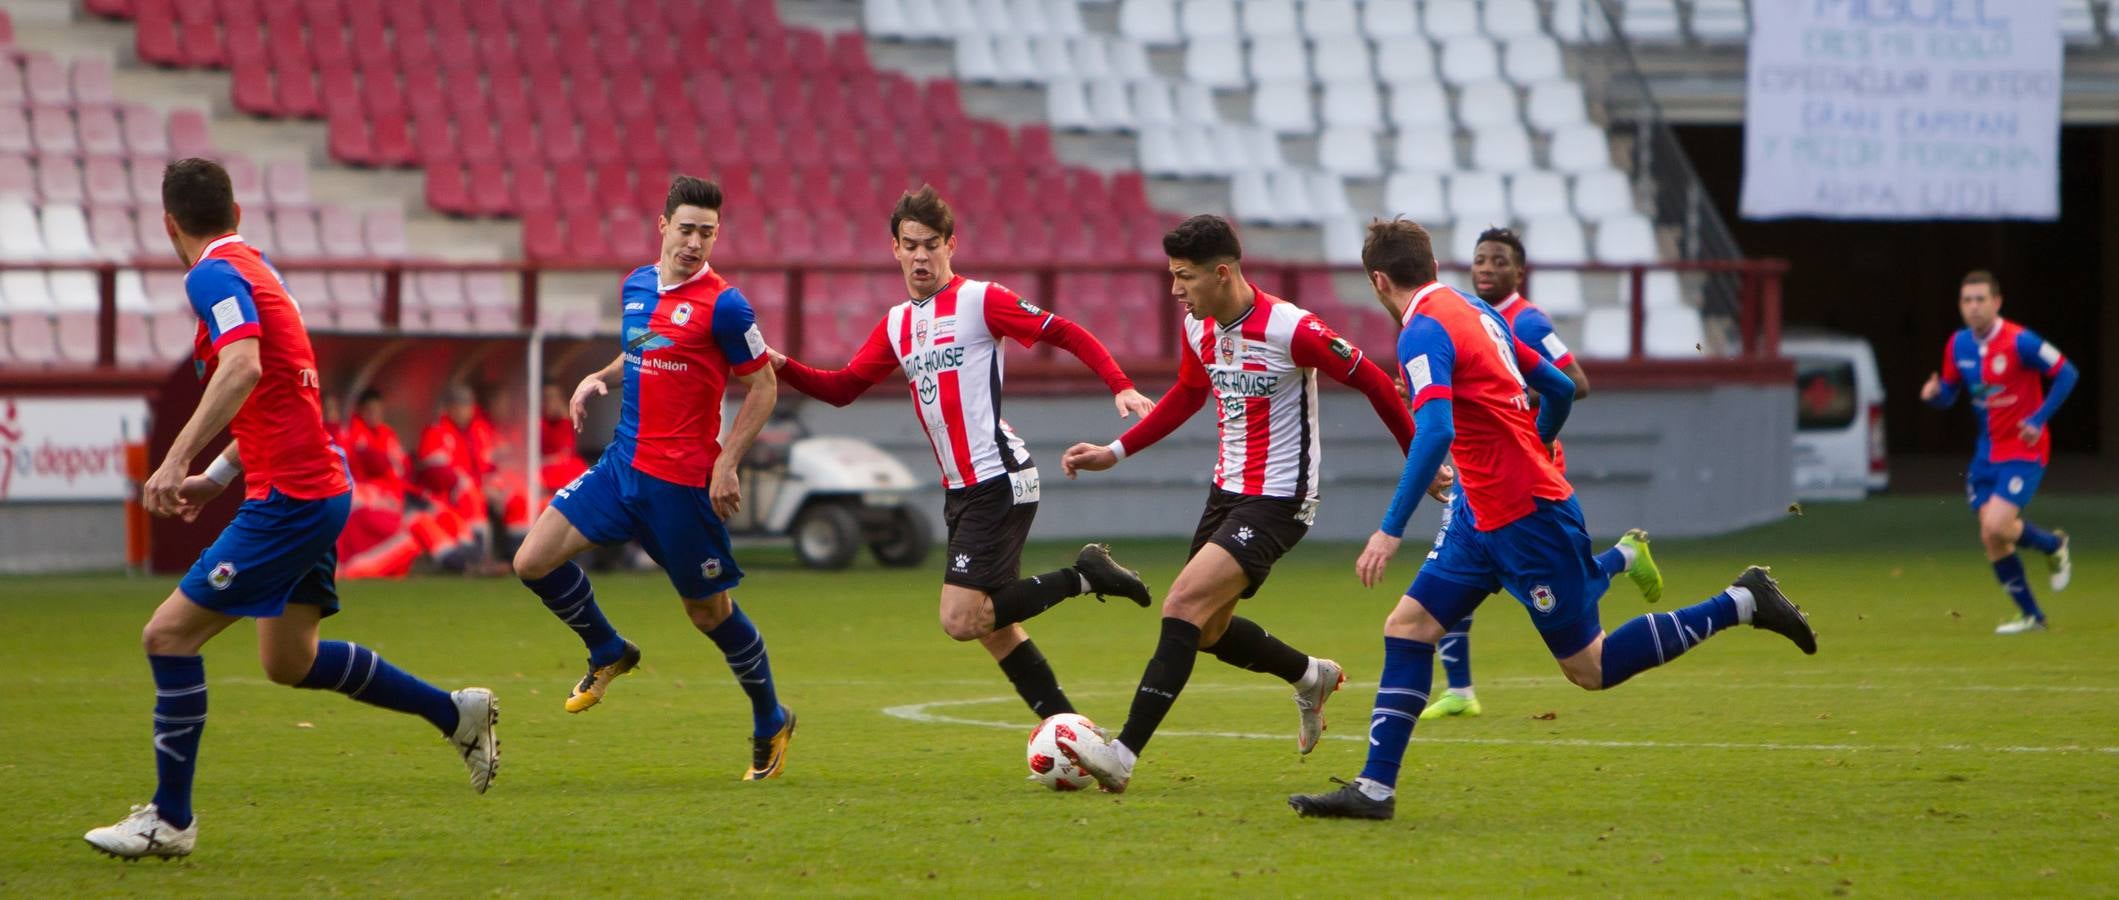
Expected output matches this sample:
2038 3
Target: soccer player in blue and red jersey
2005 367
1497 276
276 561
665 480
1520 528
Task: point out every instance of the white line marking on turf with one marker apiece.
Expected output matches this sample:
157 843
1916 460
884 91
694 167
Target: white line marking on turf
923 714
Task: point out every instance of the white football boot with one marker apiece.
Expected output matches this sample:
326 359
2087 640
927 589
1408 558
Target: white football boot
2061 563
1102 758
477 711
143 834
1310 702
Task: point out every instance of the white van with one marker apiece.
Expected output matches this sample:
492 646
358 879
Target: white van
1839 415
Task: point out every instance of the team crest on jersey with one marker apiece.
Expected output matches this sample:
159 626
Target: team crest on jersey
1541 598
222 576
919 332
710 569
1228 348
2000 364
682 315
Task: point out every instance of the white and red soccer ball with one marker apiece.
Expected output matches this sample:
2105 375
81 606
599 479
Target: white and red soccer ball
1051 761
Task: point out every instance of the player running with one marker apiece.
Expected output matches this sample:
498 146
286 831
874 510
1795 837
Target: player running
1520 528
2005 367
1259 356
1497 275
950 339
664 480
275 562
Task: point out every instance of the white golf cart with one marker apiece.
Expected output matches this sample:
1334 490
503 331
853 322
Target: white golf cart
833 494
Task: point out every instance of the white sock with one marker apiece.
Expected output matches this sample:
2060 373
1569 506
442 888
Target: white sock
1084 579
1745 603
1374 790
1125 756
1308 680
1625 553
1464 692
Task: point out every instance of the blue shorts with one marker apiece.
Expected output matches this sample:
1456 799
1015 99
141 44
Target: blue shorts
276 551
613 502
2015 482
1544 560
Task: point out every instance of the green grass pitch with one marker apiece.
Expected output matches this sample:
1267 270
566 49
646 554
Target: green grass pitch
1916 755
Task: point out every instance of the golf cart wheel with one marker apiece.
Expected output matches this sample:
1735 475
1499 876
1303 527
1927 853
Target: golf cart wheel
905 542
827 536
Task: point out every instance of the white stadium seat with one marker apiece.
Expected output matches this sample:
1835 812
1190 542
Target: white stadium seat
1426 150
1662 290
1446 19
1555 239
1091 56
1328 196
884 19
1067 106
1673 333
1352 104
1606 333
1331 18
1349 151
1284 106
1463 240
1626 239
1195 103
21 238
66 232
1529 60
1502 148
75 291
1251 198
1650 21
1419 104
1507 19
1555 104
1160 153
1129 58
1216 62
1018 59
1488 104
1388 20
1409 58
1269 18
1415 195
1603 194
1152 104
1536 195
25 291
1284 58
1208 19
1468 58
1557 291
1580 148
1342 242
1478 196
1341 59
1109 105
1152 22
1295 196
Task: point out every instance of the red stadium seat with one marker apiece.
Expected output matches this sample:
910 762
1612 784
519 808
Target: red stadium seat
106 181
294 234
287 182
297 94
253 88
99 131
144 130
44 81
348 140
490 195
339 230
542 240
849 54
393 143
187 134
17 179
111 9
52 131
201 44
14 132
92 82
447 190
385 230
155 34
59 180
245 177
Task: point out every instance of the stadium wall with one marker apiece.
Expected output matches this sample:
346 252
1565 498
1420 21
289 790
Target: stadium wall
1701 459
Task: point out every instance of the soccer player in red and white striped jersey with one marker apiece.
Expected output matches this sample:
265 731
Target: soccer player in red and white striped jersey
1259 356
950 338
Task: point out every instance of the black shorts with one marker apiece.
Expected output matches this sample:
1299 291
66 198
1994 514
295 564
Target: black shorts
1255 530
986 533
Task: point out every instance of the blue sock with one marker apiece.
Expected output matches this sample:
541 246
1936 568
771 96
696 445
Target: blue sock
2009 571
358 672
180 720
1456 653
1613 562
1408 672
1646 642
744 648
566 592
2038 538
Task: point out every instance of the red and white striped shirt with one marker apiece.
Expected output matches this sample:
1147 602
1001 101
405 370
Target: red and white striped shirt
1262 370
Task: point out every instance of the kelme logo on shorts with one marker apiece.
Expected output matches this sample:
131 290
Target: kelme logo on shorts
222 576
1541 597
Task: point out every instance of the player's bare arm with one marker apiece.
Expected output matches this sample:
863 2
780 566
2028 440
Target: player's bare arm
199 490
597 384
233 380
762 389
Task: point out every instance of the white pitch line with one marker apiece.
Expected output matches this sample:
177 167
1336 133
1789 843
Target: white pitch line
921 713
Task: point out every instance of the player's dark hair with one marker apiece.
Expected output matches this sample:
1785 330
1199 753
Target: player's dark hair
1401 250
1203 239
1982 276
688 191
1505 237
370 394
197 193
926 207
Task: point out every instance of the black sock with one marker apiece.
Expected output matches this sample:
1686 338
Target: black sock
1164 679
1247 646
1032 676
1027 597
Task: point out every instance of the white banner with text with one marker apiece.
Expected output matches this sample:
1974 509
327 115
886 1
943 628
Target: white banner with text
67 448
